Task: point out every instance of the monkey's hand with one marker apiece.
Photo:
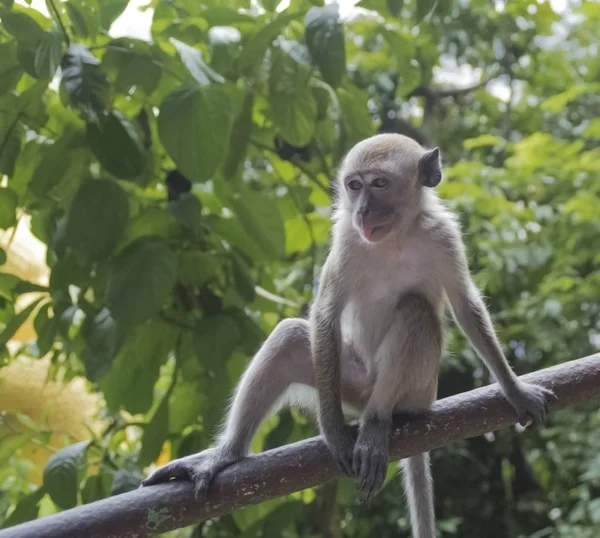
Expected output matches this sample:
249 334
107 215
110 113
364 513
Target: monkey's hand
198 468
532 402
371 458
341 441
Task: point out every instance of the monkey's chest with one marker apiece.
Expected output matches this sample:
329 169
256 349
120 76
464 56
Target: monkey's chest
369 312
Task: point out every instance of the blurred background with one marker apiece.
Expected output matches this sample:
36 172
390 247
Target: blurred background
166 175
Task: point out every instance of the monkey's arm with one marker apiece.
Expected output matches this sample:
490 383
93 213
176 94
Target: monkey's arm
530 401
326 347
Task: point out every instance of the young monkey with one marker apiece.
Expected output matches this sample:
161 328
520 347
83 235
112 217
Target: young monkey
375 334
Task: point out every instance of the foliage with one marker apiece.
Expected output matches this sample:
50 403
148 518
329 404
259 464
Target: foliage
182 186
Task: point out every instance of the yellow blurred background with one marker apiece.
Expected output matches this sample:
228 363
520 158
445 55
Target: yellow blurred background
67 409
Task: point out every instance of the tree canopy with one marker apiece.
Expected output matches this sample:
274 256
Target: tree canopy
181 189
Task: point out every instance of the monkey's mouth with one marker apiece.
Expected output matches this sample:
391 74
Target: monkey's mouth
368 231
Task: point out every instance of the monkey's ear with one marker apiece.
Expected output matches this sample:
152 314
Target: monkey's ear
430 168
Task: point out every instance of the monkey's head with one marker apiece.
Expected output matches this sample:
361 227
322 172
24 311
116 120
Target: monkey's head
381 183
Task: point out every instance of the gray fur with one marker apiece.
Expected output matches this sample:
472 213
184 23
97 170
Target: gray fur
374 337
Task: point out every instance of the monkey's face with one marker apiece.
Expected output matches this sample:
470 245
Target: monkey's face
382 178
374 198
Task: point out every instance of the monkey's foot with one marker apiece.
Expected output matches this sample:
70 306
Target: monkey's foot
370 460
198 468
532 403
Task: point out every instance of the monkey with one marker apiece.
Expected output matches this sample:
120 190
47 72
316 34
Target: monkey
374 336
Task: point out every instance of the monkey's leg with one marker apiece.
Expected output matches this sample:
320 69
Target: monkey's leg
406 365
283 360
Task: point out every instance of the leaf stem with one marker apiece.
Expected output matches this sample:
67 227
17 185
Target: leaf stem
60 22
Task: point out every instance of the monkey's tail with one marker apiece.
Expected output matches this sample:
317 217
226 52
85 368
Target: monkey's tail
419 493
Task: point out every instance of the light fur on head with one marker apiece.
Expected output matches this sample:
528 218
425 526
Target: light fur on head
402 165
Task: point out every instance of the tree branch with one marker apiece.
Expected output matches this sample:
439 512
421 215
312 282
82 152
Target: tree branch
60 22
157 509
440 93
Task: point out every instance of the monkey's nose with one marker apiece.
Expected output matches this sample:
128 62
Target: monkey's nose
364 211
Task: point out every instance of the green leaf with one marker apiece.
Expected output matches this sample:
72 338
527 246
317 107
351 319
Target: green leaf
96 488
84 81
125 480
252 518
276 522
225 16
232 231
71 269
25 286
140 280
558 102
395 7
261 218
243 280
77 19
15 323
52 162
155 433
251 335
269 5
240 137
26 58
8 208
192 59
256 46
48 54
7 282
215 338
46 329
2 256
10 69
194 126
224 47
97 219
293 104
11 131
280 435
110 10
117 143
185 405
196 268
188 211
130 381
425 8
324 34
154 221
133 63
592 131
26 510
84 16
357 122
11 148
23 27
103 339
483 141
61 474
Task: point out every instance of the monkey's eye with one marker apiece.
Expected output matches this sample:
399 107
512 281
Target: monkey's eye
354 185
380 183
